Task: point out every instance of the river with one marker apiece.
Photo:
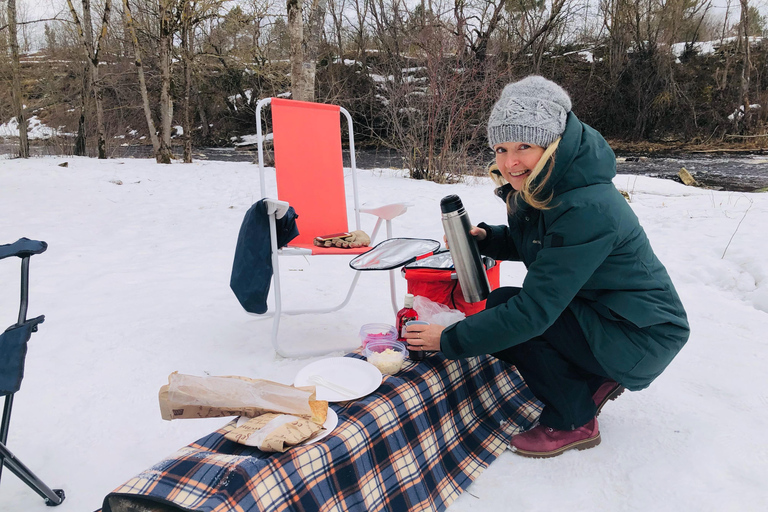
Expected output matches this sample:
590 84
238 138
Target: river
742 173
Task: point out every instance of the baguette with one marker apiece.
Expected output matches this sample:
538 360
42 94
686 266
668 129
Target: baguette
319 411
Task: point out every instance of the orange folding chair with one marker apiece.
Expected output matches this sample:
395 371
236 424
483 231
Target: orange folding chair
310 178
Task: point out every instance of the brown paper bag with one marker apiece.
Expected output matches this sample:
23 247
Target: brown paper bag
188 396
274 432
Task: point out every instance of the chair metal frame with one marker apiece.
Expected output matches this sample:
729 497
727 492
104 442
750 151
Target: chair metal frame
277 208
52 497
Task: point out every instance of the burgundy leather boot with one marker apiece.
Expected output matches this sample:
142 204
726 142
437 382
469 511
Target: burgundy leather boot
608 390
543 442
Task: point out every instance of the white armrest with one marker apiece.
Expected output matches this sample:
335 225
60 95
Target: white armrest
279 208
387 212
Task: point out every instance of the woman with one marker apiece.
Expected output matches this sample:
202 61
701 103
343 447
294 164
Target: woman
597 311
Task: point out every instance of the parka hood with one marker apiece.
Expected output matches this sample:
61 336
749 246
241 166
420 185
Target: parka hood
583 158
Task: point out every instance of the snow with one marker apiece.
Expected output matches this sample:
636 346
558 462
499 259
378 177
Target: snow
709 47
249 140
347 62
135 285
739 112
233 99
36 129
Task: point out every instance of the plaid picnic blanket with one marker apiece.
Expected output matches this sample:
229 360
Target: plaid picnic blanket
414 444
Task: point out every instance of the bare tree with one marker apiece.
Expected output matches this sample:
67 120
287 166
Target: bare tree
92 48
296 34
165 44
18 100
186 58
130 27
479 38
337 8
310 44
538 29
746 67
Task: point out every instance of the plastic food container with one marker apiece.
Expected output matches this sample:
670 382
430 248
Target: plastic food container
377 332
386 355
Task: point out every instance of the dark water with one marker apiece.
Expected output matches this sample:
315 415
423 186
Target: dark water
743 173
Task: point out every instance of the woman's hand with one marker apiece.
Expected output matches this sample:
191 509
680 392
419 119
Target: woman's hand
424 337
478 233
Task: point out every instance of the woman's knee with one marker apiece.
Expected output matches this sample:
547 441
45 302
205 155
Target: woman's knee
501 296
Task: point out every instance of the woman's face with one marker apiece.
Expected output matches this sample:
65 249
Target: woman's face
515 161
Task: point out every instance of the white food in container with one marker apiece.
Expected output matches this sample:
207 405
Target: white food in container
389 361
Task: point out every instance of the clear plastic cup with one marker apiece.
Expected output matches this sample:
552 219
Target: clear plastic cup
386 355
377 332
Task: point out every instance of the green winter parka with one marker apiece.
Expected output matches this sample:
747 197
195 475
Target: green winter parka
588 253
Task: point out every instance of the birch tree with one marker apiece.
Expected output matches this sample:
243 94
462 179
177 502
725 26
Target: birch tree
747 63
160 157
186 58
18 99
304 45
92 48
296 35
310 46
166 104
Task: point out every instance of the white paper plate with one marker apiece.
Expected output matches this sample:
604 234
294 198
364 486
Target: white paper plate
330 423
354 374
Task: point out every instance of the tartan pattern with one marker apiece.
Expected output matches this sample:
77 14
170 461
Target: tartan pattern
435 427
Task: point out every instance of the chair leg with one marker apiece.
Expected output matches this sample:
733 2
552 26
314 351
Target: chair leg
52 497
278 312
392 286
6 420
278 295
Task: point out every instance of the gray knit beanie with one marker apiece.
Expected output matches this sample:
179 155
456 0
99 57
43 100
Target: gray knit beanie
533 111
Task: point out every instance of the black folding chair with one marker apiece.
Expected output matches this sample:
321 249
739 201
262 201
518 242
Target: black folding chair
13 350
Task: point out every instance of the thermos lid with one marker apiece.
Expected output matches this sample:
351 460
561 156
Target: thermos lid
450 203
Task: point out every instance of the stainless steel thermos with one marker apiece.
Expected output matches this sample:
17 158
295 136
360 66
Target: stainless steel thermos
464 252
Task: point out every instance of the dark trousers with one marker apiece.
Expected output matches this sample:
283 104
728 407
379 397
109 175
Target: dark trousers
558 367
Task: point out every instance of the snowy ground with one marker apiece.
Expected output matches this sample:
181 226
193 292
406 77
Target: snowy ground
135 282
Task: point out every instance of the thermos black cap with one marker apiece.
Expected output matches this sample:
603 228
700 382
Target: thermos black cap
450 203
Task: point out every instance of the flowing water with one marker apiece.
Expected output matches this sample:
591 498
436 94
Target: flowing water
743 173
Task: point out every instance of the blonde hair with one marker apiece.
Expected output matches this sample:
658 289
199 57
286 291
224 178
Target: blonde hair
528 192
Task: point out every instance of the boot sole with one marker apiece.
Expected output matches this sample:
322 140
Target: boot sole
579 445
613 395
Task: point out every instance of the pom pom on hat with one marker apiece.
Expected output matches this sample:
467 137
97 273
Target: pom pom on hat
533 110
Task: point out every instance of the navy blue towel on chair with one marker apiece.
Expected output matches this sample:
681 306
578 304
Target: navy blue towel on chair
252 268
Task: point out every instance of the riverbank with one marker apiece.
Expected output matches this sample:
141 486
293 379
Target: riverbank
741 167
745 146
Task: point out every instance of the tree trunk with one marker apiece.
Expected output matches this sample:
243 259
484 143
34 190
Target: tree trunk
98 94
186 43
85 32
337 27
461 27
296 35
131 29
205 129
81 147
746 66
18 100
166 107
310 44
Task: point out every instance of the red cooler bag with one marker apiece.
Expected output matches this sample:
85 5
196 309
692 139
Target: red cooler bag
434 277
